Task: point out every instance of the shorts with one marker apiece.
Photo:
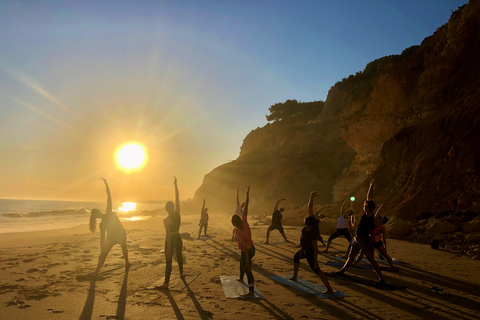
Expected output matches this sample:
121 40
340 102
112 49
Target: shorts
278 227
378 244
363 244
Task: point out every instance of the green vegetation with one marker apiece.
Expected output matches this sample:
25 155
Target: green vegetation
294 110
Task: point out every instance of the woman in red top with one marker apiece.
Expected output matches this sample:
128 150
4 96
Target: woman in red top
243 235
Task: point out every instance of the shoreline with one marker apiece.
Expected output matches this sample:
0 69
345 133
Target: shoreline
42 277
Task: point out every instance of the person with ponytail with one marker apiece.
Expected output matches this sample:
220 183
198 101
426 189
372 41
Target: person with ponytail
309 247
112 227
173 240
243 235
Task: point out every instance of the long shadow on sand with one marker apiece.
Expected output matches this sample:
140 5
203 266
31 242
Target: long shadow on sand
363 286
271 308
88 307
122 298
201 313
174 304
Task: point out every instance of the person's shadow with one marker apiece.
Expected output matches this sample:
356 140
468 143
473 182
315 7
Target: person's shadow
122 300
88 307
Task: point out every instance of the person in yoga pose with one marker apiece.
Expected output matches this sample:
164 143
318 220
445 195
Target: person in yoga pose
203 220
238 212
173 240
345 222
276 221
309 247
380 240
364 239
243 235
115 233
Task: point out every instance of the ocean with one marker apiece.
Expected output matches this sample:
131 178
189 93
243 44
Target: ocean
37 215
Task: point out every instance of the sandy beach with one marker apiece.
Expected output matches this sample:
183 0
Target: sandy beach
42 276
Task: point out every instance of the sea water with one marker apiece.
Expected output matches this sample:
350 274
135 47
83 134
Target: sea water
36 215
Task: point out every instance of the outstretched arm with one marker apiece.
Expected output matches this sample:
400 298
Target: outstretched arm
275 207
378 210
203 207
341 209
370 190
317 213
109 197
247 199
238 202
313 194
177 198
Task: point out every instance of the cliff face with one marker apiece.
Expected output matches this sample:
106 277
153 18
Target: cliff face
410 121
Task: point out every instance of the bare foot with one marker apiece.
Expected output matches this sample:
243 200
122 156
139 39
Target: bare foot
163 287
240 280
293 278
248 295
325 251
328 291
128 265
182 276
92 275
266 242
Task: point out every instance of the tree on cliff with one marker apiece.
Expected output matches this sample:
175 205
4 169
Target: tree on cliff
294 110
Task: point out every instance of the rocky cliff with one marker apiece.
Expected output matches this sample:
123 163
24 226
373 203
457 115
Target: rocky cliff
411 121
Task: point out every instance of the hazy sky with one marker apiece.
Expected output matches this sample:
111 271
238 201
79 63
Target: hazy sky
188 79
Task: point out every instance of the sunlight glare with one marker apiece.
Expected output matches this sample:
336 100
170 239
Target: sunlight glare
131 156
128 206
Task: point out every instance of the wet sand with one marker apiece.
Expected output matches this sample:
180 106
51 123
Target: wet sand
42 276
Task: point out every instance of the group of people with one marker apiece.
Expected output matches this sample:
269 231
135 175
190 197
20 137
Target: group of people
370 235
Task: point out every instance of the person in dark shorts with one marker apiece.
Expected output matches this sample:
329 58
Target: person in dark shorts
203 220
276 221
364 240
345 222
309 247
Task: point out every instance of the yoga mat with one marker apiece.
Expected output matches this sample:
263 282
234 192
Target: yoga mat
176 283
395 261
308 287
234 289
359 266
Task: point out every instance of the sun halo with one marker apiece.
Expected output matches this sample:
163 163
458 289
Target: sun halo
131 156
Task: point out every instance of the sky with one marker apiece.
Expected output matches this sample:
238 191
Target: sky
186 79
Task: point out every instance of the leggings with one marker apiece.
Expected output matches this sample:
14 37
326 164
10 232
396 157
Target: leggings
307 254
341 232
175 245
243 264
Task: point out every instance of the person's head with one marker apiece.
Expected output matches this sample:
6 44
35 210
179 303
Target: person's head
170 207
368 206
349 213
281 209
94 215
310 222
205 210
237 222
382 220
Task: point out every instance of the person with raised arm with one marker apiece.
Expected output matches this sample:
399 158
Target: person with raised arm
380 239
243 235
203 220
364 239
309 247
173 240
238 212
276 221
345 222
112 227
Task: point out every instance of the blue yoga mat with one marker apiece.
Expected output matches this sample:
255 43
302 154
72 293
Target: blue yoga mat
234 289
360 266
308 287
395 261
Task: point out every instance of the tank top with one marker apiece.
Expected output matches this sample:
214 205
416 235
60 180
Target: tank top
342 222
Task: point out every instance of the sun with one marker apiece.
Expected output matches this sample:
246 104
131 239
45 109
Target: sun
131 156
